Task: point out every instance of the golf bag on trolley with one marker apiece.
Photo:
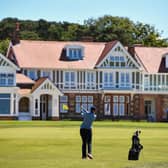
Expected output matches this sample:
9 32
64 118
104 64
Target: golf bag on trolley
136 147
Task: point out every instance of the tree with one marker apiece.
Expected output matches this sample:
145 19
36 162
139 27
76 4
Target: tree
55 32
42 29
108 28
148 36
105 28
4 44
29 35
7 27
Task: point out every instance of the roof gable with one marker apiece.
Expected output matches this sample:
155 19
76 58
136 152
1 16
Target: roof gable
45 85
152 58
115 54
5 62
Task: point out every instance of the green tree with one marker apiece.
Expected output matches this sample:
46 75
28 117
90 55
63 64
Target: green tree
108 28
4 44
105 28
148 36
55 31
29 35
7 27
42 29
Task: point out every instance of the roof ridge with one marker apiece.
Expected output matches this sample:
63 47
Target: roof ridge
43 41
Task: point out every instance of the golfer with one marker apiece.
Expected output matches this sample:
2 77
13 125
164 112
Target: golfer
86 131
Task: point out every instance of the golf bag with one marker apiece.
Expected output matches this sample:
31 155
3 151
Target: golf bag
133 154
136 148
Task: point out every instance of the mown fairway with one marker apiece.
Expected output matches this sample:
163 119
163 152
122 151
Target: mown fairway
40 144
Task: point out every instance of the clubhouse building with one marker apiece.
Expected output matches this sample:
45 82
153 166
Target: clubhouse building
37 78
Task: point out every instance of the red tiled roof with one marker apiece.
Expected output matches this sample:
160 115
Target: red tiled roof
151 57
107 48
38 83
21 78
46 54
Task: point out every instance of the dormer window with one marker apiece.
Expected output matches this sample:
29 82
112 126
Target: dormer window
74 52
166 60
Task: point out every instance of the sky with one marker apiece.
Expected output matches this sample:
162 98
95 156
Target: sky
153 12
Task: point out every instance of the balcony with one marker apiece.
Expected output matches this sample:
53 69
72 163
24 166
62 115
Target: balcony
96 87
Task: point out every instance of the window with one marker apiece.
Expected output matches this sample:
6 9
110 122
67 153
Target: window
10 79
3 79
117 61
75 53
146 81
166 60
46 74
6 79
90 78
115 109
14 103
115 99
32 74
119 105
5 103
107 105
122 99
108 79
121 109
125 81
69 79
36 106
85 101
63 102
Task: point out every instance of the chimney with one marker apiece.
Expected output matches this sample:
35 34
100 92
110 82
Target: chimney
15 38
131 50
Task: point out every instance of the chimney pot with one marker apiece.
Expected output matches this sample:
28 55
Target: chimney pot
17 26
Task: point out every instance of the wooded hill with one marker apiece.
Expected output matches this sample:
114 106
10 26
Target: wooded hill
105 28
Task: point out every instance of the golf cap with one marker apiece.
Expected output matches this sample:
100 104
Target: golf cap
93 108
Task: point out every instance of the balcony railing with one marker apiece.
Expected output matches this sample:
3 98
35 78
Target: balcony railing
150 83
101 86
97 87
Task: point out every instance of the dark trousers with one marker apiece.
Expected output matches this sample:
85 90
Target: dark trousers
86 136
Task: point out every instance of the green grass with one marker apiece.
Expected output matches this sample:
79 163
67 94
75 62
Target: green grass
44 144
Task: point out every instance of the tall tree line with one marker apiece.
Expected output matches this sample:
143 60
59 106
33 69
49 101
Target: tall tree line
105 28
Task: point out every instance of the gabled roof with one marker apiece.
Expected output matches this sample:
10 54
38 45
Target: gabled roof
151 58
106 50
5 61
45 84
110 47
49 54
38 83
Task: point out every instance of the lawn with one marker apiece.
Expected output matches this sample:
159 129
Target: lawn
49 144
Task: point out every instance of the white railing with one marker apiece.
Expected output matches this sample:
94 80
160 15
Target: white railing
101 86
155 82
97 87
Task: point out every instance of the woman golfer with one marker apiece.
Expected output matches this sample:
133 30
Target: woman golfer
86 131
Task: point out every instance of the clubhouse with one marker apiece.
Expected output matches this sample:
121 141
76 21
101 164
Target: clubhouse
37 78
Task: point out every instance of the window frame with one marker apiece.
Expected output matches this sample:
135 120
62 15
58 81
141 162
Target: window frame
70 83
110 77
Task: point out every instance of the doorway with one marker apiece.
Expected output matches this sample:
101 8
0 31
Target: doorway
45 106
150 110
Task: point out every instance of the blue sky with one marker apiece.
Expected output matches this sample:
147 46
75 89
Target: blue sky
153 12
